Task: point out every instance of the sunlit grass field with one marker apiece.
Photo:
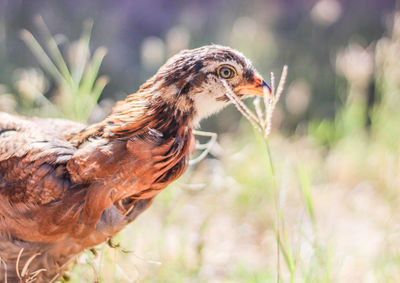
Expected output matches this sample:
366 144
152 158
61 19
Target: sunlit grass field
330 214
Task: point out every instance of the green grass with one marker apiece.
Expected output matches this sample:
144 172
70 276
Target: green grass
78 84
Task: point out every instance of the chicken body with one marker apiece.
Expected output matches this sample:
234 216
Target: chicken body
58 198
66 187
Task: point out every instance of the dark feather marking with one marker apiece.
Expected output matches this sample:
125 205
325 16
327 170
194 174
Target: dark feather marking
223 98
172 79
6 130
249 75
197 66
185 89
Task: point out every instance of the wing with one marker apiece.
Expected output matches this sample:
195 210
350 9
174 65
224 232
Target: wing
33 157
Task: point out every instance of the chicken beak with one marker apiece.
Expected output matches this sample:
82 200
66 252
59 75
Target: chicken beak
254 88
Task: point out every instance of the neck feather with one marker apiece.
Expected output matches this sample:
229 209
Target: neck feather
136 115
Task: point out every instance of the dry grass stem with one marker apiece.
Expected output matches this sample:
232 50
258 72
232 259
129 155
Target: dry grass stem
206 147
5 269
262 119
28 262
25 276
17 263
259 112
246 112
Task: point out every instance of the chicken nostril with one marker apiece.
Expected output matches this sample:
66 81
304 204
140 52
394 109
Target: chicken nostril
265 84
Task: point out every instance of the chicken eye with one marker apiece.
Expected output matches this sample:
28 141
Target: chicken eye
226 72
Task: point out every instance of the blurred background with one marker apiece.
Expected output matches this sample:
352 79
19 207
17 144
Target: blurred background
334 198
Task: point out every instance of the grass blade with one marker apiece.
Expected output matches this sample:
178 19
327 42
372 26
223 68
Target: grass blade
54 51
42 57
